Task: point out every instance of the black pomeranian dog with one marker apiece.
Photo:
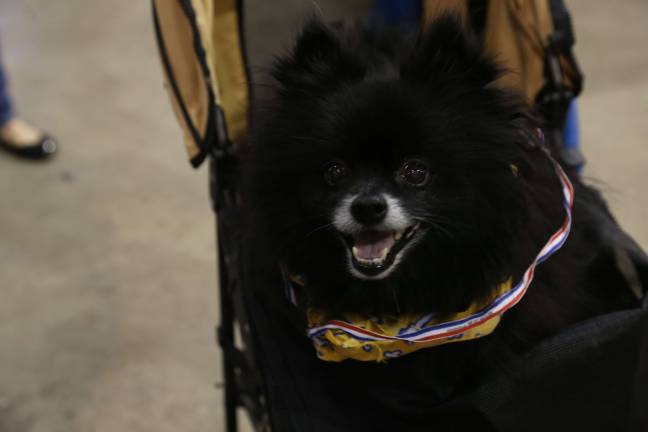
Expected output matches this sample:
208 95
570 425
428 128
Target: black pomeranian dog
394 176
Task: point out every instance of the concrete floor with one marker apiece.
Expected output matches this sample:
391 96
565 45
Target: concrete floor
107 274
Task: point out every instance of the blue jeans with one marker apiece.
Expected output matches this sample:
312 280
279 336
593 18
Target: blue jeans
6 109
406 13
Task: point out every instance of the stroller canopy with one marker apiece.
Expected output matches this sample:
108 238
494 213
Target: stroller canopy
203 55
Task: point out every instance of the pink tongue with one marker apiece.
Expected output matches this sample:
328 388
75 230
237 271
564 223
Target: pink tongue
369 244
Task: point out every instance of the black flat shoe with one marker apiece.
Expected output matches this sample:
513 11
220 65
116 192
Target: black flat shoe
43 149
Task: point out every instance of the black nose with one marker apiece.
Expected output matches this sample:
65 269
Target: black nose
369 210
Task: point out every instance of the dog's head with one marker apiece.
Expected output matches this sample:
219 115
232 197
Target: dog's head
387 163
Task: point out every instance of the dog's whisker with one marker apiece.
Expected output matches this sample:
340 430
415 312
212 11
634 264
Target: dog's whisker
307 139
441 220
289 233
440 228
328 225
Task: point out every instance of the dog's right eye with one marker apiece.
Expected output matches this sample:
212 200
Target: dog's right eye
334 173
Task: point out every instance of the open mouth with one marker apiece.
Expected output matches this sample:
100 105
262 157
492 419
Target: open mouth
374 252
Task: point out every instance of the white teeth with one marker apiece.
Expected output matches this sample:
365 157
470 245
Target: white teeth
376 261
398 235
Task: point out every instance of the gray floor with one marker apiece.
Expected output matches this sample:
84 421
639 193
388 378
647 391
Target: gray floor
107 271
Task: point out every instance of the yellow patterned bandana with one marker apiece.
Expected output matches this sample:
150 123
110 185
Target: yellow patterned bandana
379 339
352 336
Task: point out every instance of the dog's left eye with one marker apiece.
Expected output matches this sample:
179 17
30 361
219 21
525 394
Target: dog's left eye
334 173
414 173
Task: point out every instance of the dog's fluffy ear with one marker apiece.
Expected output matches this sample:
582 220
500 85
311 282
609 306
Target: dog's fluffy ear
317 60
446 50
316 42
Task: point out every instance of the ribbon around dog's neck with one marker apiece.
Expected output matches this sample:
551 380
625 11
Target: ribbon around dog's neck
380 338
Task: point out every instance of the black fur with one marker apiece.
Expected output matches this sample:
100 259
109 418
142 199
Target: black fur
375 98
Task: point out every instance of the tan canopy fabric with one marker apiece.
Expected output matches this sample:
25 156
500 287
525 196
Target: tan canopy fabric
203 60
516 33
432 9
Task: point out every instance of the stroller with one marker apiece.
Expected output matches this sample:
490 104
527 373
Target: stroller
269 366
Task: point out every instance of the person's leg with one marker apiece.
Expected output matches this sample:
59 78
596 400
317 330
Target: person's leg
6 108
16 135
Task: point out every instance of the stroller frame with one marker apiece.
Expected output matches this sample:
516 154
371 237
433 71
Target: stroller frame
243 386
